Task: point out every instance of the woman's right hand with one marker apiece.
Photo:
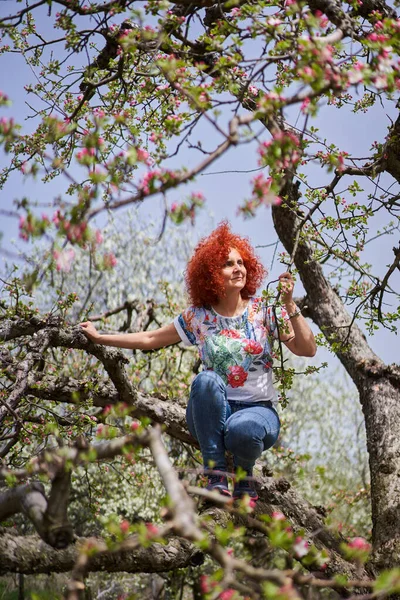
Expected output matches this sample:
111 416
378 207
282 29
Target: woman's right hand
90 331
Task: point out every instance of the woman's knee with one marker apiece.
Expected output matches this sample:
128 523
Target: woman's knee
243 440
208 389
248 435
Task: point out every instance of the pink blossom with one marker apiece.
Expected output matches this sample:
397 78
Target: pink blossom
381 82
198 196
151 529
304 106
227 594
109 260
56 218
99 113
274 21
309 71
174 207
142 155
323 21
64 259
355 76
278 516
124 526
204 584
360 543
98 237
300 547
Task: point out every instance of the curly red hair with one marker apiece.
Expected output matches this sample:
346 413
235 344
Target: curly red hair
204 280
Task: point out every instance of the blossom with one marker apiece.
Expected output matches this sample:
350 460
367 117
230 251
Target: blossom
227 594
355 76
152 529
154 137
204 584
278 516
143 156
300 547
124 526
304 106
381 82
262 190
237 376
252 347
64 259
231 333
109 260
359 543
274 21
98 236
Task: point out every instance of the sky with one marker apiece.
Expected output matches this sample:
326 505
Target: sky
225 184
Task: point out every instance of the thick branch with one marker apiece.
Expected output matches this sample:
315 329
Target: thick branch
49 518
30 555
59 532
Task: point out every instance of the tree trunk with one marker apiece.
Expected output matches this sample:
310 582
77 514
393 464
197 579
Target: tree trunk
378 384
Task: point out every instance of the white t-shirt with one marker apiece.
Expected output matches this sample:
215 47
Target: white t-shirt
237 348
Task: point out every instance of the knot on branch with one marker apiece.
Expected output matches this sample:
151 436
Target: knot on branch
376 370
58 536
282 485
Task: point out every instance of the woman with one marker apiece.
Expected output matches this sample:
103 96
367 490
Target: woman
232 401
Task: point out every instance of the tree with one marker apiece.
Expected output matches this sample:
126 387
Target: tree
133 89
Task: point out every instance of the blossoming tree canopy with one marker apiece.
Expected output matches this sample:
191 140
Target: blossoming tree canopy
131 101
151 78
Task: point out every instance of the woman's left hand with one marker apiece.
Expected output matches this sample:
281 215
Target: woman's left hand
286 287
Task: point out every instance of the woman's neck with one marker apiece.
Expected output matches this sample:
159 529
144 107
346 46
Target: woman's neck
230 306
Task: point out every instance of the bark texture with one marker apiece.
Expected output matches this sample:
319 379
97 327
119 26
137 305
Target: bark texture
30 555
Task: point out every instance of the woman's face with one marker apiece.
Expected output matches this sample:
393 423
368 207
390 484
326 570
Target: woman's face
234 272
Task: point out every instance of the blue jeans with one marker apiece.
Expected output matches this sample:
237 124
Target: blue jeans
244 429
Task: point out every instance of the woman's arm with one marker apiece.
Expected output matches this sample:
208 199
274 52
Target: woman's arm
299 339
143 340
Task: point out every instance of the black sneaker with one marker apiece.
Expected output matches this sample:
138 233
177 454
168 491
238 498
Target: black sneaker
245 487
218 483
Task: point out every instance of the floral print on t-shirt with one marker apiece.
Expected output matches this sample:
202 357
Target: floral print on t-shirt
237 348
